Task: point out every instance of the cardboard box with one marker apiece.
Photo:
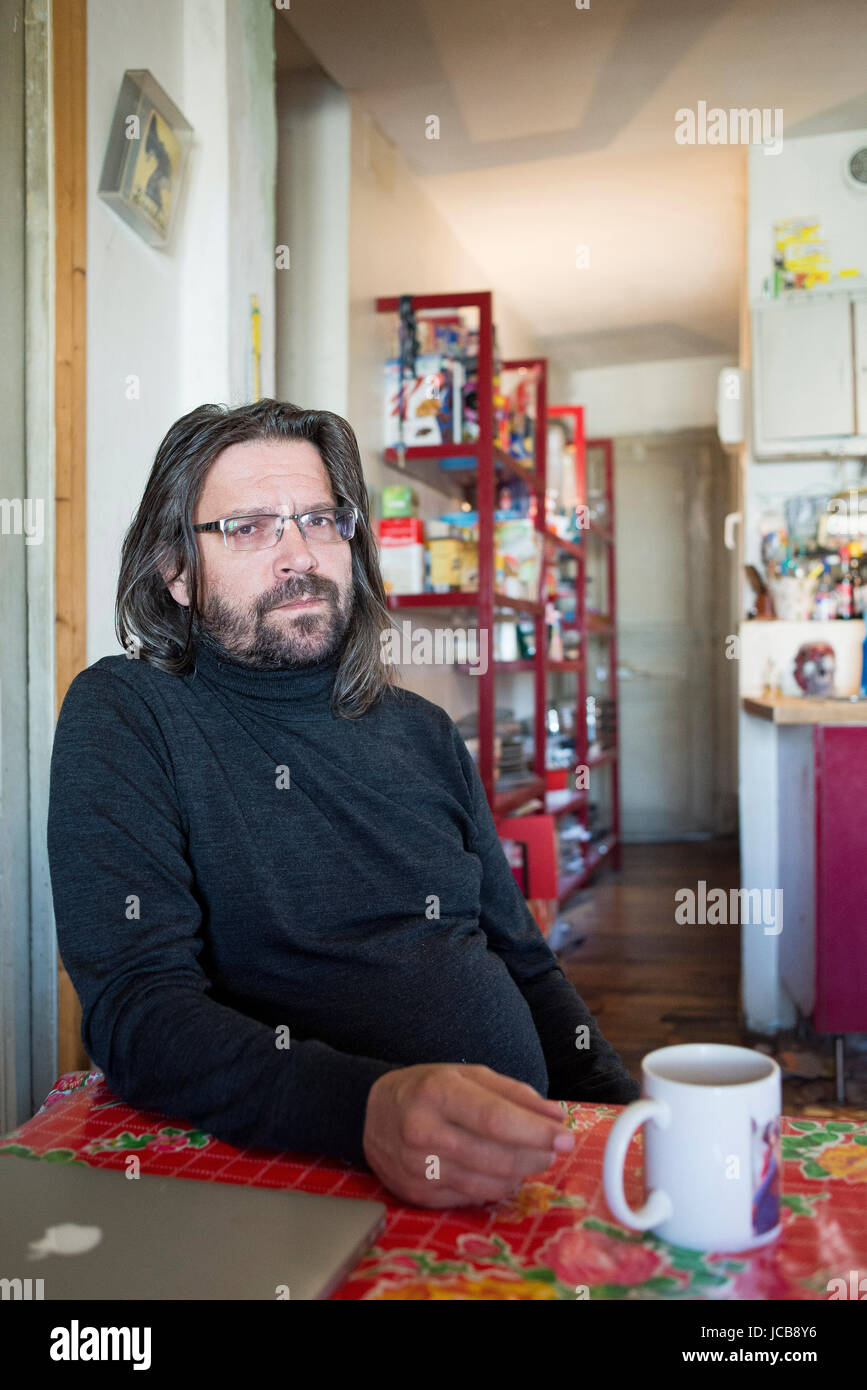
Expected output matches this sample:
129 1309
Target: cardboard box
401 554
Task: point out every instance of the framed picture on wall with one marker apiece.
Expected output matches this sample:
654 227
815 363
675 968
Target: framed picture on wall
145 158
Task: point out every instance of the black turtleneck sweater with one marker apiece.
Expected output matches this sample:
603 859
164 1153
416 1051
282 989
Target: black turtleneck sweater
235 867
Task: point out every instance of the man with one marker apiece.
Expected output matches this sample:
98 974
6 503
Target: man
278 886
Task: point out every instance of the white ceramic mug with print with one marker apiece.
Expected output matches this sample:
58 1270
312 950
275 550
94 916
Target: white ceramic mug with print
712 1167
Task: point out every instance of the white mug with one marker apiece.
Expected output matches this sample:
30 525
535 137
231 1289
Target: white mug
712 1167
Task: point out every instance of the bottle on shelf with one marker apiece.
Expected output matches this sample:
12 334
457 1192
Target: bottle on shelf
855 578
555 634
825 601
845 607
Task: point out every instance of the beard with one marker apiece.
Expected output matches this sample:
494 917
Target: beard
271 641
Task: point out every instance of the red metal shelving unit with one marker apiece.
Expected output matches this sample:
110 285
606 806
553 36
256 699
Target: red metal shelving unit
607 849
539 366
492 465
608 629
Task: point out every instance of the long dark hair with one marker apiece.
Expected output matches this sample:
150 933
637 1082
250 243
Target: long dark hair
160 538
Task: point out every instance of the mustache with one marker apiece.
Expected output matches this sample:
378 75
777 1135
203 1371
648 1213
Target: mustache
293 594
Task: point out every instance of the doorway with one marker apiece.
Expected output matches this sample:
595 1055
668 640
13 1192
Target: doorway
676 605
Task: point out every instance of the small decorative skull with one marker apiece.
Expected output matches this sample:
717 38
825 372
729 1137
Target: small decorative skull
814 668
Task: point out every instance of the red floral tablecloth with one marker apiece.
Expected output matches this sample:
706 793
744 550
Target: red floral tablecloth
555 1240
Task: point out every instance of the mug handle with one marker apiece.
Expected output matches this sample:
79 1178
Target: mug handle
658 1206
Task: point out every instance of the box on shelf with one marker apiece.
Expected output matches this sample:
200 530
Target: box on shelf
537 833
429 403
517 551
442 400
520 435
401 554
445 564
469 564
544 911
453 563
506 642
397 500
442 334
516 854
518 557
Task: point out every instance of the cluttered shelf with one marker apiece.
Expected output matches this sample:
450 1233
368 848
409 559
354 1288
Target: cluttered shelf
531 794
593 856
604 755
454 598
804 635
558 542
600 624
511 795
812 553
444 466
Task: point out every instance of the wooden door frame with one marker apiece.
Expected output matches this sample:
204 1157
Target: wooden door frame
41 579
69 41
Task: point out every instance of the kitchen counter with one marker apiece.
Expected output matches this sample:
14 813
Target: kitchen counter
804 709
802 771
803 823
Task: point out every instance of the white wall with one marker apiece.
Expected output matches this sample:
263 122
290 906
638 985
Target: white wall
804 180
643 397
313 124
175 320
248 194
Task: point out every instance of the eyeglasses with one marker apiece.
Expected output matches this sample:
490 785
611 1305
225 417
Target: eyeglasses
259 532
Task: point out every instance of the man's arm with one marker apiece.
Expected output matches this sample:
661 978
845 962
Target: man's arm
129 933
591 1070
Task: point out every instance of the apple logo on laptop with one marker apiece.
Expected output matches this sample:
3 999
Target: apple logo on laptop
68 1239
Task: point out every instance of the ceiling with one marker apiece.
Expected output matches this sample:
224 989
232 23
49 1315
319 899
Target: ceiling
556 164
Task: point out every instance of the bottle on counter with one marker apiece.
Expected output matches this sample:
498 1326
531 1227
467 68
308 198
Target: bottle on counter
845 608
856 579
772 687
825 601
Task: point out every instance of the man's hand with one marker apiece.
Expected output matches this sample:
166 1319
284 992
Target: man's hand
487 1131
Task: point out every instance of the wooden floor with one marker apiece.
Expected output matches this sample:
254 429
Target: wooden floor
651 982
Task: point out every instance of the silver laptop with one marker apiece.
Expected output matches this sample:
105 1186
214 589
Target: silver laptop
94 1233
